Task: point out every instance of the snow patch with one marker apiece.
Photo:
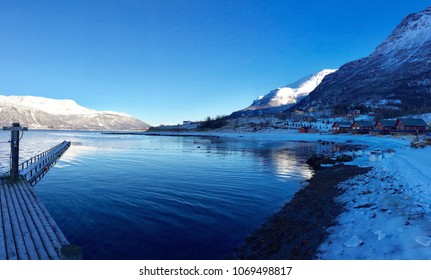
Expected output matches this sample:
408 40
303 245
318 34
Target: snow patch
423 240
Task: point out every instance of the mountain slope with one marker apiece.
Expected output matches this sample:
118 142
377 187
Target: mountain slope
47 113
282 98
397 72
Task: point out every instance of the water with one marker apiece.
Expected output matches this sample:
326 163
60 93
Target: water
150 197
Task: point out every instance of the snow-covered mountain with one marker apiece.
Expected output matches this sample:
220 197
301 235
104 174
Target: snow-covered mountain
284 97
399 70
47 113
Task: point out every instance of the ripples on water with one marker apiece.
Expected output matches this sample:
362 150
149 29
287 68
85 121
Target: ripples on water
148 197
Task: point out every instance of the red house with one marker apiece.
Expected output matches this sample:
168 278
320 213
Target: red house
362 126
385 125
341 127
410 125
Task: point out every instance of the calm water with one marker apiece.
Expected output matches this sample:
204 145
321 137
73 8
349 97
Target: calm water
149 197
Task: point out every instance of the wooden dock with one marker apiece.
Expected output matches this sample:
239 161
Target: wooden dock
27 230
36 167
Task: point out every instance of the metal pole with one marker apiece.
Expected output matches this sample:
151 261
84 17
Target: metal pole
14 149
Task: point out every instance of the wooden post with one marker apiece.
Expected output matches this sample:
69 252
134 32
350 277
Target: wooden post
71 252
14 148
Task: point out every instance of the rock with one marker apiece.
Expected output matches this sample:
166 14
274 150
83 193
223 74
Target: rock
317 160
375 155
421 142
353 242
415 211
388 153
344 158
423 240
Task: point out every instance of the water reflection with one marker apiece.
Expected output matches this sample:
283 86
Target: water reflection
148 197
285 158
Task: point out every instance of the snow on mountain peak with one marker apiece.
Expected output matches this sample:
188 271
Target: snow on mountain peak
398 69
47 105
290 93
47 113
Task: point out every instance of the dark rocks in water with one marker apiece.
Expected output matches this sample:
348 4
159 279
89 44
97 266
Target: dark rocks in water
317 160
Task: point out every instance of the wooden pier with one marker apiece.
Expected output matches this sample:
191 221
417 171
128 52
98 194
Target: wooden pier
27 230
35 168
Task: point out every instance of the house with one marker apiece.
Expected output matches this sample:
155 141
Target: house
353 114
410 125
362 126
385 125
341 127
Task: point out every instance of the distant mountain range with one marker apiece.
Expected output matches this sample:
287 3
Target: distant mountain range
285 97
47 113
397 73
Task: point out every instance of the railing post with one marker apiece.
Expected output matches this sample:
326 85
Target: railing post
14 146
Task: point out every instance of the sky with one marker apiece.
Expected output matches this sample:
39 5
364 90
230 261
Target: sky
166 61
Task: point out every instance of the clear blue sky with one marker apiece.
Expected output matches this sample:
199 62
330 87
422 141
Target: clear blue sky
165 61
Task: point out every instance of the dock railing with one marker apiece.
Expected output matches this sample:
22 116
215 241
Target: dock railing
36 167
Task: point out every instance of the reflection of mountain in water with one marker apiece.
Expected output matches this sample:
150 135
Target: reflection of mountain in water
286 160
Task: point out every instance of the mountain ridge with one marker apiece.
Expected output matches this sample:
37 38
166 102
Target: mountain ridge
282 98
398 71
48 113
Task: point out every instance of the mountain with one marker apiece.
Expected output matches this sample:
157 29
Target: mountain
47 113
282 98
397 73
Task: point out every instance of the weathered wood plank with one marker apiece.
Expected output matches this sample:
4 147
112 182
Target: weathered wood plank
16 229
31 221
36 204
3 253
25 232
11 252
49 251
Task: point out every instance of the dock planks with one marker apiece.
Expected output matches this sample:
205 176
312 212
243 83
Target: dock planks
27 230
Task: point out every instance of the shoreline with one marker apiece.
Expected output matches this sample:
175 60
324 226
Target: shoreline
298 229
386 212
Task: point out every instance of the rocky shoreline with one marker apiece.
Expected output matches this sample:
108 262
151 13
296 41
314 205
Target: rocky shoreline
298 229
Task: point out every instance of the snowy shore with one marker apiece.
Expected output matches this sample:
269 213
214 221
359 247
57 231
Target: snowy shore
387 210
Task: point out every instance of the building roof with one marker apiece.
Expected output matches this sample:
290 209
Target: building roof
413 122
365 123
343 124
388 123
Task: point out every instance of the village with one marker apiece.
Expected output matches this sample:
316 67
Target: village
352 122
397 126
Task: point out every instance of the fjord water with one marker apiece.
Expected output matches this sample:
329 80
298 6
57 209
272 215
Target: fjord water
152 197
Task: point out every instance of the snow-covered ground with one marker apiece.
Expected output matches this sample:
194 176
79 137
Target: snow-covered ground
388 210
